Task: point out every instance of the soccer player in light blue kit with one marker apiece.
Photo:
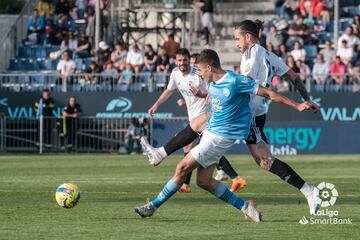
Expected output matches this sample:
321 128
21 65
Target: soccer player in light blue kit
230 121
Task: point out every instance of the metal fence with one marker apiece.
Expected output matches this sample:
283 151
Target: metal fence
83 82
84 134
143 82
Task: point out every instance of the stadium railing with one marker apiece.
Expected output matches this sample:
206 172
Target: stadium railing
50 134
83 134
143 82
81 82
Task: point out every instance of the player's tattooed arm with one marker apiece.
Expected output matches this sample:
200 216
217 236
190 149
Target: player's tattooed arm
276 97
299 85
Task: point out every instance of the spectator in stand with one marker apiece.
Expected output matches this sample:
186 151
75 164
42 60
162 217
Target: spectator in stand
135 58
303 69
66 67
126 78
70 43
311 7
354 76
337 71
328 52
290 8
150 59
283 53
193 59
163 64
348 35
270 48
45 8
345 52
81 6
118 56
90 22
356 26
104 53
103 3
298 53
70 114
320 70
62 7
298 31
84 47
49 29
110 74
94 68
274 38
207 19
171 46
163 67
292 64
35 27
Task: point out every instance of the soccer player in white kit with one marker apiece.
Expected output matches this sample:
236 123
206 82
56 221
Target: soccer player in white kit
257 63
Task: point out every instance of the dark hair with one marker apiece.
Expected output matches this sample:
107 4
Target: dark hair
46 90
183 52
194 55
171 35
250 27
209 57
150 46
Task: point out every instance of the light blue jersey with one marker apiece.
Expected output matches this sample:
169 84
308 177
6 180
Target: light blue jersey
231 114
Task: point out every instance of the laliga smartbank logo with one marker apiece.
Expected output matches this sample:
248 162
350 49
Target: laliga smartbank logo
327 198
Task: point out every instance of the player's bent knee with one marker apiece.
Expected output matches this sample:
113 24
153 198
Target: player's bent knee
265 162
181 170
203 183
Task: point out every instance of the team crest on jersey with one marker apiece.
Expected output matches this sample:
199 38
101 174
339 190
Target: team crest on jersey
226 92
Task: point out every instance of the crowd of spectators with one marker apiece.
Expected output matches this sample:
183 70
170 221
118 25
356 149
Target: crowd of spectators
117 66
307 43
300 34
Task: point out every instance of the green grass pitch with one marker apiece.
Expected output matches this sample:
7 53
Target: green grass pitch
112 185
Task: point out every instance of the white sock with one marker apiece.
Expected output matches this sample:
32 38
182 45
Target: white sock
162 152
306 189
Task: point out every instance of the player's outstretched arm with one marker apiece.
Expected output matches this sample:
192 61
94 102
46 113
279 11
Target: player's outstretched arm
163 98
276 97
299 85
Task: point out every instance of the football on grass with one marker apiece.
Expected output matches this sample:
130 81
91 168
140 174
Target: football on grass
67 195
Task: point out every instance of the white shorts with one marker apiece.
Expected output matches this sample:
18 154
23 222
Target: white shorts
210 149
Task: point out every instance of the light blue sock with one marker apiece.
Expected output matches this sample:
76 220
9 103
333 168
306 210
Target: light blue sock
222 192
170 189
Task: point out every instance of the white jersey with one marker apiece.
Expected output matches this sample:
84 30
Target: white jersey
195 105
261 65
